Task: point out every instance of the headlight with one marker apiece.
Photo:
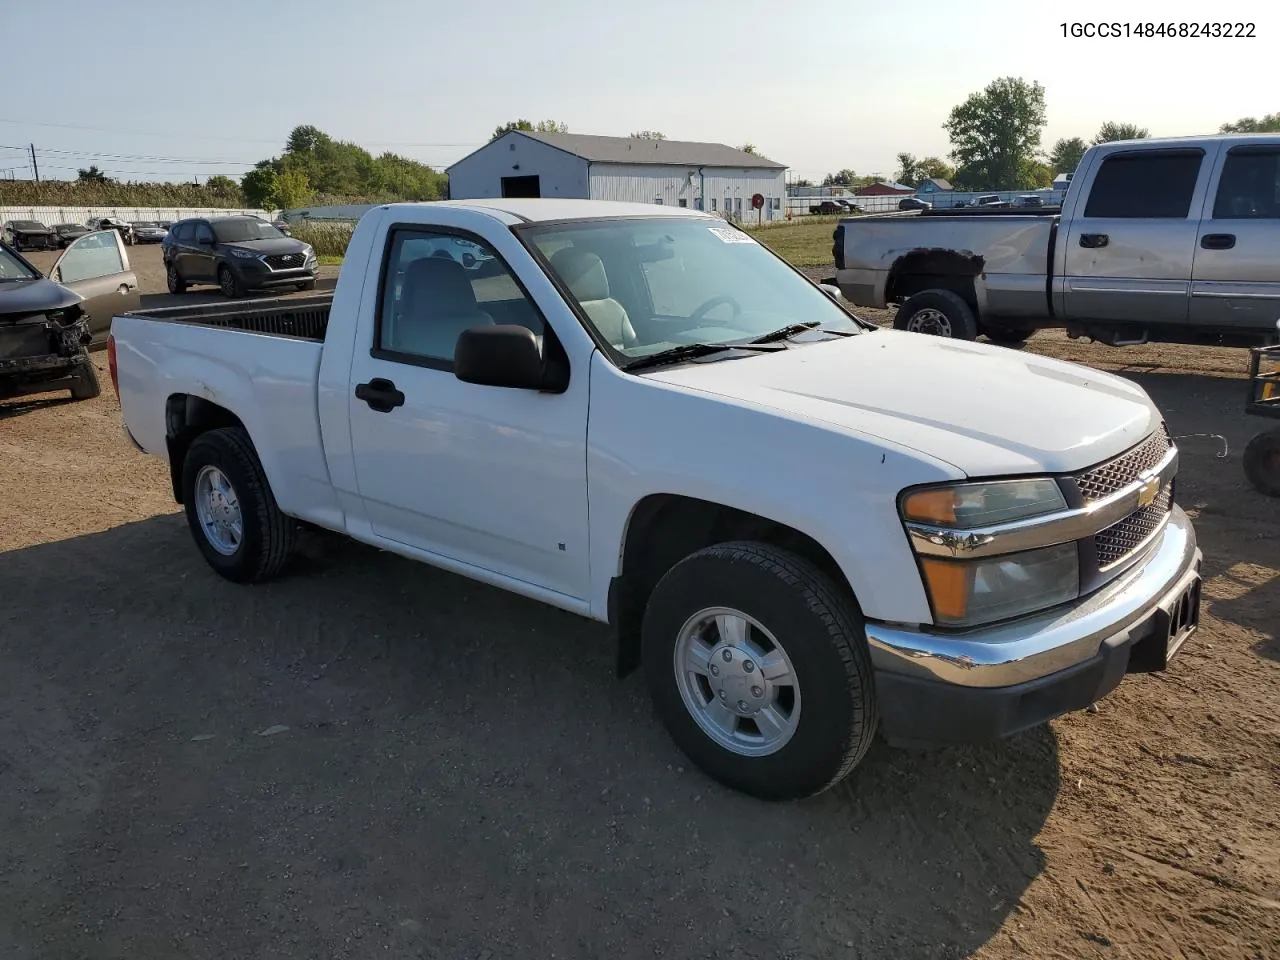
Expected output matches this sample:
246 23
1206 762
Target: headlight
968 505
969 592
308 252
989 588
243 254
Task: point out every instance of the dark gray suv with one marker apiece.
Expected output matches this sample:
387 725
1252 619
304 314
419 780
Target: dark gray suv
238 254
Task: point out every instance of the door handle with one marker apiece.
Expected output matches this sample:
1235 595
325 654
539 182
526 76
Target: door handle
1218 241
1094 240
380 394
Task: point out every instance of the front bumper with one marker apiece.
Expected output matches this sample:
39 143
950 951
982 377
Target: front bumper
257 275
989 683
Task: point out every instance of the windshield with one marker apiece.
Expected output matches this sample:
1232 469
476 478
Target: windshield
67 227
650 284
237 231
25 225
144 223
11 268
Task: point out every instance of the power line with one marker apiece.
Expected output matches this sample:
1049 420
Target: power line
192 136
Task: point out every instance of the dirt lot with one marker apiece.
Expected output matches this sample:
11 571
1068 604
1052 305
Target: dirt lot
372 758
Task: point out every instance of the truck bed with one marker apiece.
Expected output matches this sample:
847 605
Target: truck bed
299 318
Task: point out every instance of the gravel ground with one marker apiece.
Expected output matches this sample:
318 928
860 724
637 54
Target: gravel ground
373 758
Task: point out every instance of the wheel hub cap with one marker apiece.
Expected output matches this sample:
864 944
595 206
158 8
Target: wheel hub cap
930 321
218 510
737 682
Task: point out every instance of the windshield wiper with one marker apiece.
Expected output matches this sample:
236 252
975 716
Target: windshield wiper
790 330
691 351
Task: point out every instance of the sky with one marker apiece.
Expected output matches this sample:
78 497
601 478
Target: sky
173 90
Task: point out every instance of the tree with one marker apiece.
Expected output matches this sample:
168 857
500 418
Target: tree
1267 124
259 185
292 190
996 131
935 168
1110 132
648 135
908 169
224 188
92 175
542 126
841 178
1035 173
750 148
1065 155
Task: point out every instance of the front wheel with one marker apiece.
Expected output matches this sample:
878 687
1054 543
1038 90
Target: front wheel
231 510
174 279
84 382
939 313
760 670
1262 462
229 283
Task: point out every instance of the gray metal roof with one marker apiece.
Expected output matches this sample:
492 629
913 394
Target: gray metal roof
682 153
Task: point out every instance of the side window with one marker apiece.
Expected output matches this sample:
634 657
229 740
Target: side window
438 284
1249 188
1146 185
96 255
203 232
181 232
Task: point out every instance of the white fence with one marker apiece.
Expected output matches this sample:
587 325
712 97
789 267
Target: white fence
799 206
51 215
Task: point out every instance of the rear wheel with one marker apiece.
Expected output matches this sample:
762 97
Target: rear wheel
84 382
939 313
174 279
230 508
229 283
760 670
1262 462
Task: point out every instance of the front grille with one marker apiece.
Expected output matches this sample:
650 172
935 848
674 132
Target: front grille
1120 539
1102 481
285 261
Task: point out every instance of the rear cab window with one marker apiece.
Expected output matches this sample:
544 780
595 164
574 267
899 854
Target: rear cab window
1146 184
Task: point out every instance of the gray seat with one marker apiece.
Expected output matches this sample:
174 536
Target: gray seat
437 303
583 273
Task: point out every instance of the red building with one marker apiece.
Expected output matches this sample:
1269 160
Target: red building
885 190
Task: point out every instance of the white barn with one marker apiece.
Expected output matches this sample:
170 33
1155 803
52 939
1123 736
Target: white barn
702 176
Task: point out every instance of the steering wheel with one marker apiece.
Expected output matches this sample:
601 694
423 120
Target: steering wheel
714 302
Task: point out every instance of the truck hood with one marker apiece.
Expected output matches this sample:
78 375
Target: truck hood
986 410
24 297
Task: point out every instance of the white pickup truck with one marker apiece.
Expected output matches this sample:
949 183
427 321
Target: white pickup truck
643 416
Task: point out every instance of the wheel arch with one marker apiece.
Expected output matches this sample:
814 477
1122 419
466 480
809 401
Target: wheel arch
186 417
664 528
935 269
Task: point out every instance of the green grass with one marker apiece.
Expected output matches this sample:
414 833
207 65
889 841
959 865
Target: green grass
805 242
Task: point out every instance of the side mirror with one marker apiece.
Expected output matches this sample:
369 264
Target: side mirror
501 356
832 292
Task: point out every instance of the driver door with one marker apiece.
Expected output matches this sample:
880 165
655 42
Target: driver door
96 266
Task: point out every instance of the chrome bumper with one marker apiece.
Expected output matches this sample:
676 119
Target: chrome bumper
1037 646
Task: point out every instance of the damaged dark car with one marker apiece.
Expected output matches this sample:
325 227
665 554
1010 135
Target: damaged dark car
47 324
30 235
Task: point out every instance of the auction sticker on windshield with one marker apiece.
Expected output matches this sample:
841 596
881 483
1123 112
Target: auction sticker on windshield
730 235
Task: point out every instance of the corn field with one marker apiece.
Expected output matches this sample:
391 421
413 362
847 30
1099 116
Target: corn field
329 239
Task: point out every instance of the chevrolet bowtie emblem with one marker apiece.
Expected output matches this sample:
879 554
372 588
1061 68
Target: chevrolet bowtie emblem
1148 491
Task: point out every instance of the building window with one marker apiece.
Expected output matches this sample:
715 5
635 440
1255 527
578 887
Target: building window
683 202
777 203
713 204
658 201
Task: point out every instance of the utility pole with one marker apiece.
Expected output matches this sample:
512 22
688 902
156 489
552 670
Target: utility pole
35 166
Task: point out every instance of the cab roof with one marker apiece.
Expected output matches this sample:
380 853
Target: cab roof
547 209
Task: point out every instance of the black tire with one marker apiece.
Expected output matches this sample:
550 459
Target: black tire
229 283
1262 462
824 639
1006 336
307 285
84 383
269 537
174 279
960 322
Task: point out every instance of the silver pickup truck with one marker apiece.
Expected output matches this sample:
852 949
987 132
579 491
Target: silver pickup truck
1170 240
